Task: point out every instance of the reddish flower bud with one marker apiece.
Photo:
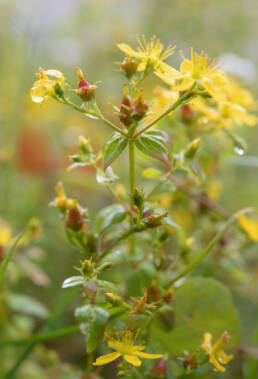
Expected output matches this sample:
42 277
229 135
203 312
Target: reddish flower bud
160 369
146 212
74 219
129 66
187 113
156 220
125 108
85 90
190 361
139 108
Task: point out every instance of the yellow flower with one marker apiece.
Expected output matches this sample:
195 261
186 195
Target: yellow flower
162 100
123 342
150 54
224 114
45 87
249 226
216 352
198 69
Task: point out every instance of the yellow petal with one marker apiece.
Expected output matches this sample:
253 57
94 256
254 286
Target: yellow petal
186 66
133 360
216 364
57 74
184 85
107 358
166 78
141 66
128 50
223 357
168 70
249 226
207 341
148 356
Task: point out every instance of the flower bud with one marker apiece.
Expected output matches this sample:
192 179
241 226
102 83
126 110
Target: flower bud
139 108
87 267
138 198
113 299
74 218
84 145
129 66
187 113
192 148
155 220
190 361
125 108
85 90
146 212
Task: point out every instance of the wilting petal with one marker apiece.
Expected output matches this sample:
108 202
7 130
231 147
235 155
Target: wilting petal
107 358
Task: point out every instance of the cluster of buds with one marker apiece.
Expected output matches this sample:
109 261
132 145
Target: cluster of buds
131 111
151 299
190 361
153 221
129 66
74 213
85 90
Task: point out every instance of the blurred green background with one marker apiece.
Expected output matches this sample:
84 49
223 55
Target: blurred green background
35 141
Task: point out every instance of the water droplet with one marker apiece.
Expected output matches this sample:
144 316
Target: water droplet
239 151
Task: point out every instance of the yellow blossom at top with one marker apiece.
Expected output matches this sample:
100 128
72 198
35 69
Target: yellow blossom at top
199 69
249 226
224 114
150 54
45 87
123 343
216 352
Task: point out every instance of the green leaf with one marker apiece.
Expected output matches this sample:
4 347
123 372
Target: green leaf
170 222
201 305
8 258
105 177
27 305
111 215
73 281
140 278
113 148
151 173
92 320
154 143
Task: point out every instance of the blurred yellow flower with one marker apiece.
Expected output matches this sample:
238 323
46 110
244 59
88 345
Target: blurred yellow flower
199 69
163 98
214 189
123 342
224 114
45 87
216 352
5 235
150 54
249 226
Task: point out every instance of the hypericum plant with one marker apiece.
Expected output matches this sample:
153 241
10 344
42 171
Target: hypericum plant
131 264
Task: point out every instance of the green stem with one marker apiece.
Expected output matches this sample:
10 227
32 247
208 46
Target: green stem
98 115
213 242
42 336
125 235
132 186
172 108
